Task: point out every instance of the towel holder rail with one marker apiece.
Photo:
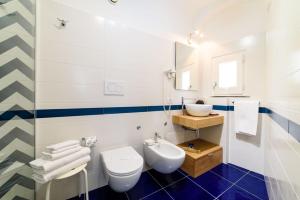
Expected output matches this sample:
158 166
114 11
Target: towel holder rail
233 102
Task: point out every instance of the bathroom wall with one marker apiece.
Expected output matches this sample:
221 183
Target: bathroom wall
72 65
282 141
17 47
243 30
169 19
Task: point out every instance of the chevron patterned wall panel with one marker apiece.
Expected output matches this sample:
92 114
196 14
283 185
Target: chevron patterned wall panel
17 40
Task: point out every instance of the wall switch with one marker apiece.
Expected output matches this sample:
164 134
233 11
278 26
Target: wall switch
114 88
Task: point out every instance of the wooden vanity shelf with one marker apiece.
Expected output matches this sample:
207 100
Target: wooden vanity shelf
197 122
201 158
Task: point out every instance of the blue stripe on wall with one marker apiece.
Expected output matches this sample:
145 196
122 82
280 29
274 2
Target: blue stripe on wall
23 114
294 130
231 108
288 125
69 112
220 107
282 121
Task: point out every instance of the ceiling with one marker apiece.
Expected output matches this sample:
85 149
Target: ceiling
173 17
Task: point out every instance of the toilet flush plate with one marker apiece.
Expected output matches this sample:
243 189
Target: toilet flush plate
114 88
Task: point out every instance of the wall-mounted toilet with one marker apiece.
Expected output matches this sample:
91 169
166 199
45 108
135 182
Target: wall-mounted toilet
123 168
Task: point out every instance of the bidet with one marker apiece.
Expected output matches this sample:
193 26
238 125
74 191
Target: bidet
163 156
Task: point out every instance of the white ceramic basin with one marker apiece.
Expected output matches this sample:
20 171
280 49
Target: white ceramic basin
163 156
198 110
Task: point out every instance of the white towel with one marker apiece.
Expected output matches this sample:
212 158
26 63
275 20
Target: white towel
44 166
43 178
62 145
55 156
246 116
62 149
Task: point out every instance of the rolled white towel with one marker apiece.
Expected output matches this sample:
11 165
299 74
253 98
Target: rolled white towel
58 146
43 178
55 156
44 166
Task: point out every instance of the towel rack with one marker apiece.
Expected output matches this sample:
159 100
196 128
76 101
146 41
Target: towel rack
233 102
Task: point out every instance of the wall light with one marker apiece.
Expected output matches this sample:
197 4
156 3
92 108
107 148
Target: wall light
192 34
248 41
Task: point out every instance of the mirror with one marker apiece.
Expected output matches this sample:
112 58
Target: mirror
187 67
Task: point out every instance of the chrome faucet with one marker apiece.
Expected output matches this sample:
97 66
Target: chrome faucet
156 137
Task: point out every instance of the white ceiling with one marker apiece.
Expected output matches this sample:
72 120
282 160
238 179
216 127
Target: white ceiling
170 17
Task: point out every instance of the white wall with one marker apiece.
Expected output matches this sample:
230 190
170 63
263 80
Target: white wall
169 18
71 66
282 150
234 20
239 27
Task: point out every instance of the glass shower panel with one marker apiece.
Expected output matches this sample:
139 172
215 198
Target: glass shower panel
17 44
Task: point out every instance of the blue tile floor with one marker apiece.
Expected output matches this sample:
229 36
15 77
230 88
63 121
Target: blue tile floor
224 182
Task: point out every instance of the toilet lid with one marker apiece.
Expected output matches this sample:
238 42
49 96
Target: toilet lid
122 161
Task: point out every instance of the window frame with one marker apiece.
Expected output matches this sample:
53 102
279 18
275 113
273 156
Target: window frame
239 90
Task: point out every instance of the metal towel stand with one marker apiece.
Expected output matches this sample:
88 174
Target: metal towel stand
69 174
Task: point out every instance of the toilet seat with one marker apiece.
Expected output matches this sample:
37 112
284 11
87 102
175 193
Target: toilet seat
122 162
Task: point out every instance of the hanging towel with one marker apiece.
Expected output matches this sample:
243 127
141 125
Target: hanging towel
62 145
43 178
44 166
246 116
55 156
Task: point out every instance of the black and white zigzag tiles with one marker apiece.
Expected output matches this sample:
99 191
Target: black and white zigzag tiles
17 33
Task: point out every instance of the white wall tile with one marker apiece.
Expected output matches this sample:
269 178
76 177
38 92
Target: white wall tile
72 65
283 94
247 151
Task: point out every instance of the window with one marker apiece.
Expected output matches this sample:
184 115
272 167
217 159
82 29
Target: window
228 75
186 80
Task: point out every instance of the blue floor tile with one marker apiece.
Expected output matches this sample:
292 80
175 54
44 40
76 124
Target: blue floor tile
144 187
106 193
257 175
240 168
161 195
213 183
103 193
254 186
236 193
182 172
186 189
165 179
228 172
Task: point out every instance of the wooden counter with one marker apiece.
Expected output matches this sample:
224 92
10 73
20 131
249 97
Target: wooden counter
197 122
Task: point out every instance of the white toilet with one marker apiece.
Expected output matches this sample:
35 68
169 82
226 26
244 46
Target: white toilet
123 168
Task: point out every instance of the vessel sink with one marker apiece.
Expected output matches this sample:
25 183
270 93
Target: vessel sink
198 110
